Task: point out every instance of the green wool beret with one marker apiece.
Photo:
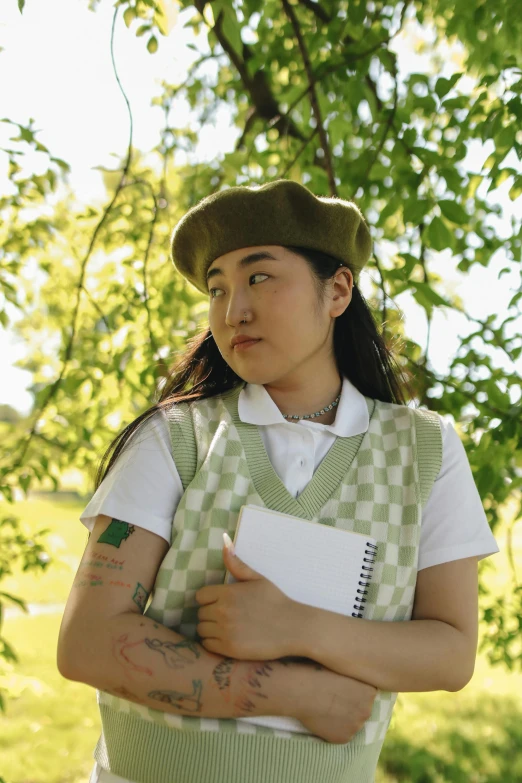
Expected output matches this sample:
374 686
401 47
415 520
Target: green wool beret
281 212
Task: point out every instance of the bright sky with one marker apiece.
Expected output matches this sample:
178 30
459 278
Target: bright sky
56 67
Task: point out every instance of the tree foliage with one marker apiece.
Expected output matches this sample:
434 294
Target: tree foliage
314 92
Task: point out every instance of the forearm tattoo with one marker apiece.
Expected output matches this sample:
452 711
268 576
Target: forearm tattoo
222 676
140 597
243 693
175 654
191 702
251 685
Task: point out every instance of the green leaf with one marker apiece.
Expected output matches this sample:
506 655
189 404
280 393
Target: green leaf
460 102
438 235
8 653
454 212
430 157
25 483
453 178
496 395
390 209
516 189
357 11
410 263
15 600
415 209
142 30
128 16
474 181
506 138
443 85
62 164
426 102
427 293
152 44
410 136
21 4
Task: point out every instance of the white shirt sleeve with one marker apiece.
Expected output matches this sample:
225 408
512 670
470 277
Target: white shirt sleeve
454 523
144 487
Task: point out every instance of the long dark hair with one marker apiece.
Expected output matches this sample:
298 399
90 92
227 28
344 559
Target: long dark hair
361 354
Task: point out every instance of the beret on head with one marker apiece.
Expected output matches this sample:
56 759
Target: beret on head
281 212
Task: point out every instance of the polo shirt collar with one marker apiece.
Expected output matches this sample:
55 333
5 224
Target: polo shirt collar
255 406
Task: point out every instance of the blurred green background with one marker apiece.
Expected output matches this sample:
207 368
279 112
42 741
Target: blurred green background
52 725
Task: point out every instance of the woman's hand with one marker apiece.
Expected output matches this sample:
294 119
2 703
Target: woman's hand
250 619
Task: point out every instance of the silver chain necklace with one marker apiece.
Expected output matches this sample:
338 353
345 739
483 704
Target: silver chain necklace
319 413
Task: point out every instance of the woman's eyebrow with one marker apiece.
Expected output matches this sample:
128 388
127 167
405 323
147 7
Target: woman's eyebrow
251 258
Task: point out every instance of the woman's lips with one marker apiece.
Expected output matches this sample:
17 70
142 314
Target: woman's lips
245 345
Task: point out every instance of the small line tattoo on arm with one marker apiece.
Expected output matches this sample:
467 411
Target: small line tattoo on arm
222 676
190 702
120 649
175 654
140 597
251 684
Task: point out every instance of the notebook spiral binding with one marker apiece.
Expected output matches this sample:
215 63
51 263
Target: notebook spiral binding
372 552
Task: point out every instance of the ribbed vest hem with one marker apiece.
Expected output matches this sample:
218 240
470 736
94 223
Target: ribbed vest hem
147 752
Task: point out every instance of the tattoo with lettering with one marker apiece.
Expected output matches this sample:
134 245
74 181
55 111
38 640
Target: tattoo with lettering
102 561
175 654
90 573
88 580
251 684
140 597
191 702
222 676
116 532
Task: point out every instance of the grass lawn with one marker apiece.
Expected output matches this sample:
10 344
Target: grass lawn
52 724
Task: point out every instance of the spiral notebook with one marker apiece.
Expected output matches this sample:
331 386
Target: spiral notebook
315 564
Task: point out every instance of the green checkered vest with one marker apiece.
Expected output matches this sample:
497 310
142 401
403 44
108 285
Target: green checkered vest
374 483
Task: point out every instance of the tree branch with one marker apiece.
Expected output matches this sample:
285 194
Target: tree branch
325 144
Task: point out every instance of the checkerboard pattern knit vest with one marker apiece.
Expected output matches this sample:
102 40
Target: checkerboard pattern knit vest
374 483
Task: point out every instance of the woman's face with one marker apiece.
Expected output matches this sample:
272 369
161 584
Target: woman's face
278 295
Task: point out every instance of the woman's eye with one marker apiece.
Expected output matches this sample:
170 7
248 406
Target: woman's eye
211 290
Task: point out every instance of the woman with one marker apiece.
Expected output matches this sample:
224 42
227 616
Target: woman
275 423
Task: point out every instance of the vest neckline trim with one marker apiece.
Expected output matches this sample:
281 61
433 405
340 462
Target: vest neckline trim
268 484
